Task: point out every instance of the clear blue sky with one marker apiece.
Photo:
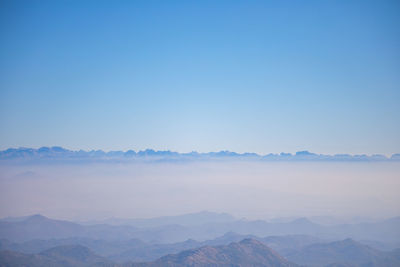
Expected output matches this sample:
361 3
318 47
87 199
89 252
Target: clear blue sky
257 76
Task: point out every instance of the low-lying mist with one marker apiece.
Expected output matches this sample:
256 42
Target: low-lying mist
248 189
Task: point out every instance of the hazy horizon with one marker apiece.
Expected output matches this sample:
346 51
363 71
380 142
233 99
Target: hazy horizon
255 190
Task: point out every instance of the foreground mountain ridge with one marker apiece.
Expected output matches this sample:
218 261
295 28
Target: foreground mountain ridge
56 241
246 253
346 252
61 256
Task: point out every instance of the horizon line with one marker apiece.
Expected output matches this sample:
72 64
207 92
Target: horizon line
226 153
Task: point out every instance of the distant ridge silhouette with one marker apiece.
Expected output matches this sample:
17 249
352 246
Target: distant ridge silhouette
59 153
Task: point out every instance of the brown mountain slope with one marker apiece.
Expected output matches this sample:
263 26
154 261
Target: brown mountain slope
248 252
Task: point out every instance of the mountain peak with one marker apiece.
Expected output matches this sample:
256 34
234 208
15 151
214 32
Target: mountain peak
304 153
251 241
248 252
36 218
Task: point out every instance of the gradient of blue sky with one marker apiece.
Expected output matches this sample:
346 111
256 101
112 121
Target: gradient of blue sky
259 76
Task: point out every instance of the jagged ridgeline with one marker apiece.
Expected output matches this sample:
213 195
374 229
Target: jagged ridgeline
57 153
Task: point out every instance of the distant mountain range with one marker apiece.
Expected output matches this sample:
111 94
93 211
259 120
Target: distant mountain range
209 227
59 153
248 252
40 227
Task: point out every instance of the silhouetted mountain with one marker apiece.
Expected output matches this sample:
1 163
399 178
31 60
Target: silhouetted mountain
102 247
14 219
59 153
248 252
40 227
342 253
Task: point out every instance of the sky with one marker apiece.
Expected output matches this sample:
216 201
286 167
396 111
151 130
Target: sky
245 76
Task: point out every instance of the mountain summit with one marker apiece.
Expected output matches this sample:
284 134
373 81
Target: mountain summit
248 252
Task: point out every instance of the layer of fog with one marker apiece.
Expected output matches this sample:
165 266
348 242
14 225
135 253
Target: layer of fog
245 189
